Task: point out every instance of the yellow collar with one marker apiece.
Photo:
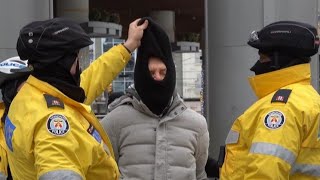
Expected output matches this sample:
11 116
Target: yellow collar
47 88
267 83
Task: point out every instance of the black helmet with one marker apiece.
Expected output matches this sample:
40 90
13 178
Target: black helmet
44 42
295 38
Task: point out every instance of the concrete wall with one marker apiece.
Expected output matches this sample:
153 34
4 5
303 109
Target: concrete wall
228 25
14 14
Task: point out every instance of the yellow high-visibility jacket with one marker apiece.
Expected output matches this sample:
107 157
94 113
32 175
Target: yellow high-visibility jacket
50 135
278 137
3 147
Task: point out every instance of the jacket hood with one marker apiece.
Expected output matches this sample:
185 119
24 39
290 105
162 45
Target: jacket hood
156 95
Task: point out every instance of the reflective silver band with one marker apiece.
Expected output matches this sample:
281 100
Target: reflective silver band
3 176
273 150
61 175
233 137
308 169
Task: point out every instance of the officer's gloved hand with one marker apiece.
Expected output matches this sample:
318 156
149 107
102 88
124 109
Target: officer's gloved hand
212 168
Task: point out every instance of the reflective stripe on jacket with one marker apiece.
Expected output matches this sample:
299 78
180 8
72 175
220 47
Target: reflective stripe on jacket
274 139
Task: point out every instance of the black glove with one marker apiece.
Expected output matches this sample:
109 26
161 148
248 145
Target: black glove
212 168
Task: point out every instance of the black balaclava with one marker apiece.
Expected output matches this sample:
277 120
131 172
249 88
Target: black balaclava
156 95
58 75
277 61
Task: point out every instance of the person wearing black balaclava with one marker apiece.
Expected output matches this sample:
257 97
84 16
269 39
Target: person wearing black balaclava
156 95
51 132
153 134
278 137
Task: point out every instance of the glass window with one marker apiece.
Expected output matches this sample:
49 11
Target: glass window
118 86
121 82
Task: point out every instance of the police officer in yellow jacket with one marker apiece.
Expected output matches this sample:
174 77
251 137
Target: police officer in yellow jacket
3 152
3 149
278 136
13 72
51 131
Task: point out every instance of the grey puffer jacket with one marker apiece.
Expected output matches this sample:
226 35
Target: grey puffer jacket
149 147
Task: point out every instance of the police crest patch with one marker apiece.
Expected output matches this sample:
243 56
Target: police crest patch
274 119
58 125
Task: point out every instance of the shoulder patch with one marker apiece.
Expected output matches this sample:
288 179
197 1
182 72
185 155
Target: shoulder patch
274 119
9 128
282 95
58 125
53 101
233 137
91 130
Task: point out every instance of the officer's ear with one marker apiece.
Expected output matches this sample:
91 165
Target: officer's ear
264 58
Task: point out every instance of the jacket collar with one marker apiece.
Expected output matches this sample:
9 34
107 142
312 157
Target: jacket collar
47 88
176 107
267 83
